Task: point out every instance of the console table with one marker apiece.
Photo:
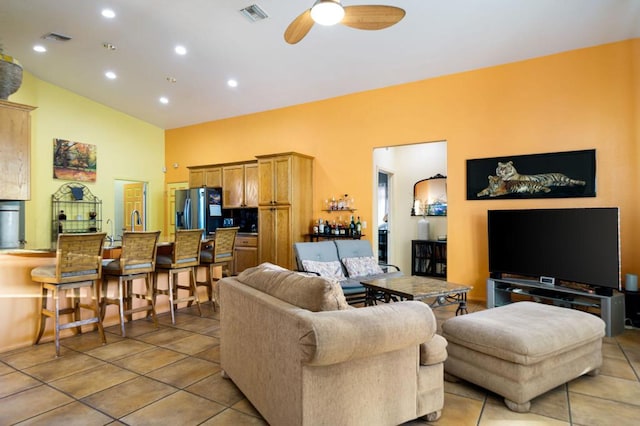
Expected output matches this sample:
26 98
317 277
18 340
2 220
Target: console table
502 291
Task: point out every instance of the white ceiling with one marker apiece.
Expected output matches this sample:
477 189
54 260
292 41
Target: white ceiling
436 37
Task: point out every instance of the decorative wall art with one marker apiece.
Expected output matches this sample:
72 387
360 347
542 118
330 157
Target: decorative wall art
555 175
74 161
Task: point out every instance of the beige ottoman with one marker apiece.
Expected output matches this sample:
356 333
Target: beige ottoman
523 350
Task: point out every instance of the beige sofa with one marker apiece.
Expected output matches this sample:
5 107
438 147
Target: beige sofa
303 356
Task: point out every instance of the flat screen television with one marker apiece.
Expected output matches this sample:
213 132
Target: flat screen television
574 245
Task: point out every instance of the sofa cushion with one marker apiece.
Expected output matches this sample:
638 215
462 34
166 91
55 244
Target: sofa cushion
325 269
321 251
353 248
361 266
307 292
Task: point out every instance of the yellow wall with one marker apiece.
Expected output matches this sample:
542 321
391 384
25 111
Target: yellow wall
127 149
576 100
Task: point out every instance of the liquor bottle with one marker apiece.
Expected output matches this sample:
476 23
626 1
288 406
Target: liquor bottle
327 227
352 228
61 218
359 227
320 226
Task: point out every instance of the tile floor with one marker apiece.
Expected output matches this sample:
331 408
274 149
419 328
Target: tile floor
171 375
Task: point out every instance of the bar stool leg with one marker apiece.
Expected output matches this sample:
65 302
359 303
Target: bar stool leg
128 294
75 304
42 317
194 288
103 301
56 316
121 305
96 310
149 298
170 278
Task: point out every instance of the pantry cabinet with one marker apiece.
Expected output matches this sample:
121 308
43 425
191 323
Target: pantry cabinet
285 183
276 236
15 151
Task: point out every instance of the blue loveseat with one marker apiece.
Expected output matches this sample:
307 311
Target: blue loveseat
349 261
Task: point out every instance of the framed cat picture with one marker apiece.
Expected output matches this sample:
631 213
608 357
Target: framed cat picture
554 175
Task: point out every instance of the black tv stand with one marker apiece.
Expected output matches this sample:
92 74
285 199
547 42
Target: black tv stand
502 291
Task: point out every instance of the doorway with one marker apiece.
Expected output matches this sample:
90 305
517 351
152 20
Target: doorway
405 165
129 196
170 205
383 197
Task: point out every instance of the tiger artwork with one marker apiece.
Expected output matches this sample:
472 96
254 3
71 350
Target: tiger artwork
508 173
498 186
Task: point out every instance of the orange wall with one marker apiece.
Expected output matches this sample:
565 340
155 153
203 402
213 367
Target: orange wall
581 99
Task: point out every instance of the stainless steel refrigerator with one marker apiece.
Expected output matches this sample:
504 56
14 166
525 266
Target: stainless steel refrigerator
199 208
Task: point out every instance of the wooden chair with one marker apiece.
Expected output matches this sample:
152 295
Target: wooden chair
184 257
221 254
137 261
78 265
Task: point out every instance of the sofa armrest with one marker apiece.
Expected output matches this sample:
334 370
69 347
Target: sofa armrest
332 337
433 351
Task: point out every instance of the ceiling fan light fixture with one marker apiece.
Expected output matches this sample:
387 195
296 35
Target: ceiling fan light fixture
327 12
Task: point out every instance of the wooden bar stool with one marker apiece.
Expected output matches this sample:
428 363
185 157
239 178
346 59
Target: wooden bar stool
78 265
221 254
184 257
137 261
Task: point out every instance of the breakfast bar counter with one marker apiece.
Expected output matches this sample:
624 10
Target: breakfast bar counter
19 299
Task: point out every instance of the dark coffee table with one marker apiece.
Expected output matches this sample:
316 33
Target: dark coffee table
414 287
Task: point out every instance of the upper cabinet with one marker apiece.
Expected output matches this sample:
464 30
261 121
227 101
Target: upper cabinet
205 176
240 185
15 151
275 177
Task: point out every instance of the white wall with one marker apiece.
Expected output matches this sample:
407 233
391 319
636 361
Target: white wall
408 164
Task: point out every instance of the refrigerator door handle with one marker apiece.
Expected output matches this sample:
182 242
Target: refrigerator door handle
187 213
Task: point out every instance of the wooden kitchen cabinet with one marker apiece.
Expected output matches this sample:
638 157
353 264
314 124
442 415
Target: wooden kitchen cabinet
240 185
276 237
15 151
200 176
285 205
246 253
275 174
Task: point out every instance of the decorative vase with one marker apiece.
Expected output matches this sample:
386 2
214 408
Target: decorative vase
10 76
423 229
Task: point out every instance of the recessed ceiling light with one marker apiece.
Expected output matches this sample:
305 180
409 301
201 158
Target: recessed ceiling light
108 13
164 100
232 83
110 75
181 50
39 48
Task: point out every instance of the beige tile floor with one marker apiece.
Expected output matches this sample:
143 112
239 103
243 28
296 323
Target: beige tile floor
171 375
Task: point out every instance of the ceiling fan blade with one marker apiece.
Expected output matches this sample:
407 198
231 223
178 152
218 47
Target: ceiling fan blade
370 17
299 27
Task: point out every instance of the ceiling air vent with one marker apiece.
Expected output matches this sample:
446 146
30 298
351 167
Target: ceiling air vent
56 37
253 13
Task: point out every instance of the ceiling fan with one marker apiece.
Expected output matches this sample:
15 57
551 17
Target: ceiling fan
331 12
